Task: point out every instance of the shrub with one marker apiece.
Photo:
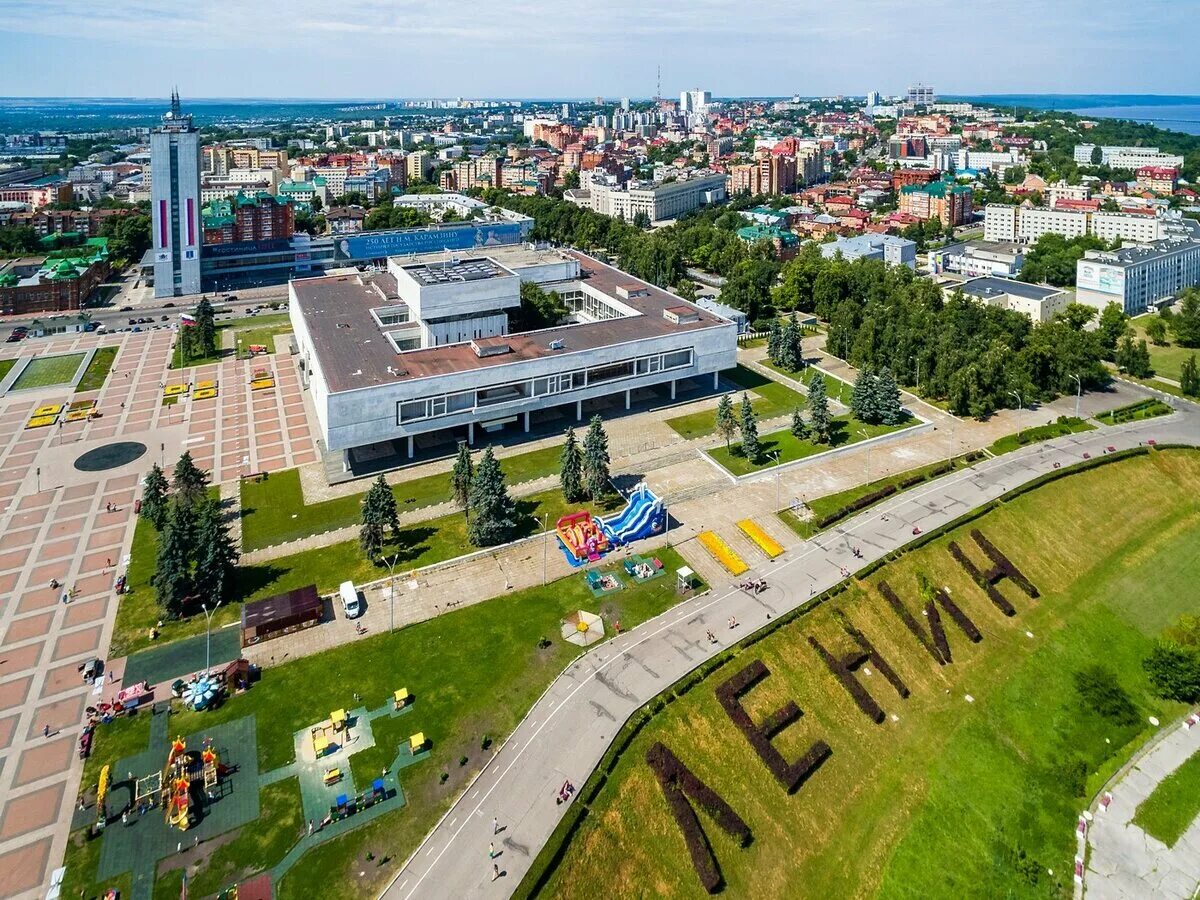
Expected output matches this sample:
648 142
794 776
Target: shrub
1071 773
855 505
1174 671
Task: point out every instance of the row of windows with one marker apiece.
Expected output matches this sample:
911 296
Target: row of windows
448 404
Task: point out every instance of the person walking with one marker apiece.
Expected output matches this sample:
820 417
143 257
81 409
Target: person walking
495 871
495 825
491 851
45 731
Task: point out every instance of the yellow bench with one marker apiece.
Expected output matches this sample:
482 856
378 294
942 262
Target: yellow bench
722 553
78 414
761 539
205 385
333 775
204 394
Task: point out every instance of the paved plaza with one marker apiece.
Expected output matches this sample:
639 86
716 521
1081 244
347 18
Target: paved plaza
75 527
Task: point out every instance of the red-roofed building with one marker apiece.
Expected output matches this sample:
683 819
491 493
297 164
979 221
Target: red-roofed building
1082 205
904 177
1160 179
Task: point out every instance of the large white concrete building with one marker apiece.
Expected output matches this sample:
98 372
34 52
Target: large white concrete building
1126 157
1139 277
175 204
423 351
660 202
1025 224
895 251
1039 303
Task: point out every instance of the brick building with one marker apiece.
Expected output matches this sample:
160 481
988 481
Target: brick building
257 217
53 284
944 200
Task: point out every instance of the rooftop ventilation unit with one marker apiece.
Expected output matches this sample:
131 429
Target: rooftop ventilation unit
680 315
486 350
556 344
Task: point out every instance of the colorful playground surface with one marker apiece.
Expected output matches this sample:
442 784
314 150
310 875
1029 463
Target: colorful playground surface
181 793
722 553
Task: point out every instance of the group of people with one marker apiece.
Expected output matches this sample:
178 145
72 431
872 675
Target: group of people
565 792
754 585
67 596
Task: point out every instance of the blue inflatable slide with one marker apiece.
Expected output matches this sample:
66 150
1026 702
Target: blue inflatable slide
643 517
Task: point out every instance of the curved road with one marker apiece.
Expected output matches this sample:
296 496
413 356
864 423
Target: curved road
571 726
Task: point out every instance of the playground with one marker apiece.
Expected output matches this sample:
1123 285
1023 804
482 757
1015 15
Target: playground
159 812
583 538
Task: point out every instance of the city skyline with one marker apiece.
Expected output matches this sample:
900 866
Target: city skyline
413 49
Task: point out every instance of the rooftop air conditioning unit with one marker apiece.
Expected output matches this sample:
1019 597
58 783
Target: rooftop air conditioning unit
556 345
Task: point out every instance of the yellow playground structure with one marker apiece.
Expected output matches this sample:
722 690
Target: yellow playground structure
178 775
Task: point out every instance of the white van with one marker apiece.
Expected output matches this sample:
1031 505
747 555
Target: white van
350 602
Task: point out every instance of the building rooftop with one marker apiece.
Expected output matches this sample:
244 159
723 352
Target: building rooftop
988 287
452 270
354 353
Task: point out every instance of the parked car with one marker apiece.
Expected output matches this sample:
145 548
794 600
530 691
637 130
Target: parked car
166 319
168 305
12 338
125 309
137 328
133 321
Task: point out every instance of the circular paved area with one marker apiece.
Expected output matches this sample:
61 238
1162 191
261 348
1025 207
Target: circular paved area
110 456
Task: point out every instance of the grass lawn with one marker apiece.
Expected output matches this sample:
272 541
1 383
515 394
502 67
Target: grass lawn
265 327
1135 412
45 371
274 511
1167 360
944 798
1064 426
1173 805
770 400
837 389
97 370
257 846
421 544
6 367
843 430
831 503
472 673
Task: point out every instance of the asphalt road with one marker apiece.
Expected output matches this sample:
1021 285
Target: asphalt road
114 319
570 727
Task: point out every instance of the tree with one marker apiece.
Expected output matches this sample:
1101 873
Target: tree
172 571
387 505
687 290
1112 326
154 497
726 421
1097 156
887 398
774 342
1189 378
570 469
495 514
460 479
216 553
790 352
595 459
1174 670
206 328
799 426
1186 322
748 424
190 486
539 309
1156 330
863 398
374 519
1133 357
818 408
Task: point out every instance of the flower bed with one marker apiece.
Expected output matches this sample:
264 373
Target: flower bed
722 553
1002 568
855 505
762 540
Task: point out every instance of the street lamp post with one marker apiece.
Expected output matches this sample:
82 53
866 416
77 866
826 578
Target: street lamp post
545 544
208 633
1078 393
392 592
1020 409
917 388
778 477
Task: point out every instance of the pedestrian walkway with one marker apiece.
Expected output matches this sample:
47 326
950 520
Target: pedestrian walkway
1125 862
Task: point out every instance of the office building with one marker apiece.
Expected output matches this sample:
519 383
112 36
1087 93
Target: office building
695 101
1000 260
1025 224
894 251
1126 157
920 95
247 217
423 351
1138 278
418 165
175 204
1040 304
979 160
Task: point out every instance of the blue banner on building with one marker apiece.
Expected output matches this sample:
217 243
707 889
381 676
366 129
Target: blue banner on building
458 236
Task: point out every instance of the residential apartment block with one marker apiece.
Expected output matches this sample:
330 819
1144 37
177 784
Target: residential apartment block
660 202
1025 224
1126 157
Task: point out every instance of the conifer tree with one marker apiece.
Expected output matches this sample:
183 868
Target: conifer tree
206 328
727 425
595 459
863 400
495 515
374 519
751 448
799 426
460 478
887 398
790 353
1189 377
216 554
818 408
155 493
570 474
774 341
189 482
172 574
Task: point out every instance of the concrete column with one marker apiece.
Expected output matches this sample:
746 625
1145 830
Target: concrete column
470 434
345 460
673 388
715 380
410 446
628 396
527 422
578 410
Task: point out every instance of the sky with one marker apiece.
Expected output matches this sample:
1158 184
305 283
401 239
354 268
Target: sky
567 48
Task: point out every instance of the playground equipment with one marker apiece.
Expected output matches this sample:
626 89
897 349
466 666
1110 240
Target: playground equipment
644 516
202 693
209 762
177 787
324 739
582 628
101 794
582 537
